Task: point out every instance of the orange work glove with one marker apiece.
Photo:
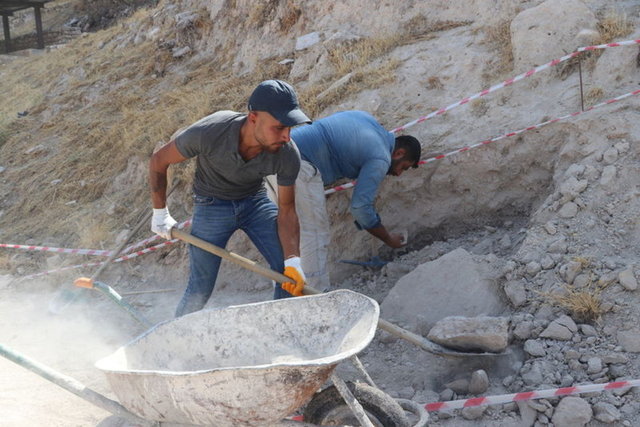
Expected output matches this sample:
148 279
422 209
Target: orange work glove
293 270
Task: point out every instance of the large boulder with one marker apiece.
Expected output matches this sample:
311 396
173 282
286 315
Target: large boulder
549 31
456 284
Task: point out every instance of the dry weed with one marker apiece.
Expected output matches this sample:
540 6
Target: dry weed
292 14
434 82
262 12
584 305
5 262
498 38
592 96
95 234
420 28
353 56
359 81
479 107
612 25
584 262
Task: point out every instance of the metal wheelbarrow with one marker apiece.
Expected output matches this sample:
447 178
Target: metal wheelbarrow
246 365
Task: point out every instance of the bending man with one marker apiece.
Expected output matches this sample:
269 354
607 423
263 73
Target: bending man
234 151
349 144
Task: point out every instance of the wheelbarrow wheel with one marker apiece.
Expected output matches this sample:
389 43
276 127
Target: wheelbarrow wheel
328 408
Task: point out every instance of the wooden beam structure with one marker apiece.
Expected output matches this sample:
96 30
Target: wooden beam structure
8 7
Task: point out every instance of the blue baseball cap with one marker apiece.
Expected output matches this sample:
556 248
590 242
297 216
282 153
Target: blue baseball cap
280 100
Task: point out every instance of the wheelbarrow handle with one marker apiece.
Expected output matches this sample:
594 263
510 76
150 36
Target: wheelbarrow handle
385 325
72 385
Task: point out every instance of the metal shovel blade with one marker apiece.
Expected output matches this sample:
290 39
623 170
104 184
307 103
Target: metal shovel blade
375 261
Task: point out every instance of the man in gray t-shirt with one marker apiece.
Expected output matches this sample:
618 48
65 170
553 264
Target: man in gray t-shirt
234 152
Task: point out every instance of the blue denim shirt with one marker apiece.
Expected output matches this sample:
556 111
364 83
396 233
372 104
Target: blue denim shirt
349 144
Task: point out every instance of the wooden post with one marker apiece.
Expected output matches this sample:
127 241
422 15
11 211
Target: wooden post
7 34
36 11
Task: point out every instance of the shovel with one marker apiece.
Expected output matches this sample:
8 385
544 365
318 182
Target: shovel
68 295
374 262
418 340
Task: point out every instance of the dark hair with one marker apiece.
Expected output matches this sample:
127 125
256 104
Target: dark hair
411 147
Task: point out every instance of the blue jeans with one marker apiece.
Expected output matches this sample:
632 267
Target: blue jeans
215 220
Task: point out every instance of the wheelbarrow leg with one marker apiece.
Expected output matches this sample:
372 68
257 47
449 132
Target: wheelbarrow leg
360 367
351 401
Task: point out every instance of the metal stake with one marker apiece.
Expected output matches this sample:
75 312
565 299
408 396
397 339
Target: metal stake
580 73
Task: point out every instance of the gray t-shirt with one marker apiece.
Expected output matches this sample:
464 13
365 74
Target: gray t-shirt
220 170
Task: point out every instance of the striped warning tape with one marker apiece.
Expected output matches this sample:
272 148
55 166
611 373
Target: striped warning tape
512 80
57 250
530 395
494 88
506 135
125 257
91 264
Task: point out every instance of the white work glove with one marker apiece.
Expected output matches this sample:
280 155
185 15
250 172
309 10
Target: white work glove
162 222
293 269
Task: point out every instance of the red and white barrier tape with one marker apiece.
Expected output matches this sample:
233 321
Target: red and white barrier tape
57 250
340 188
513 80
120 259
153 238
88 251
91 264
537 126
493 88
506 135
140 244
529 395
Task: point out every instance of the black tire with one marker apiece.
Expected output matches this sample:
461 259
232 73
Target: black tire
328 408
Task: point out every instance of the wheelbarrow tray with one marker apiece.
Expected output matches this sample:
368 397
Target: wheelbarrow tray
250 364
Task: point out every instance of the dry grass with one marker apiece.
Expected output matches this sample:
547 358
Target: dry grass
93 233
421 28
354 56
613 25
359 81
5 262
262 12
434 82
585 306
292 14
584 262
479 107
498 38
593 96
